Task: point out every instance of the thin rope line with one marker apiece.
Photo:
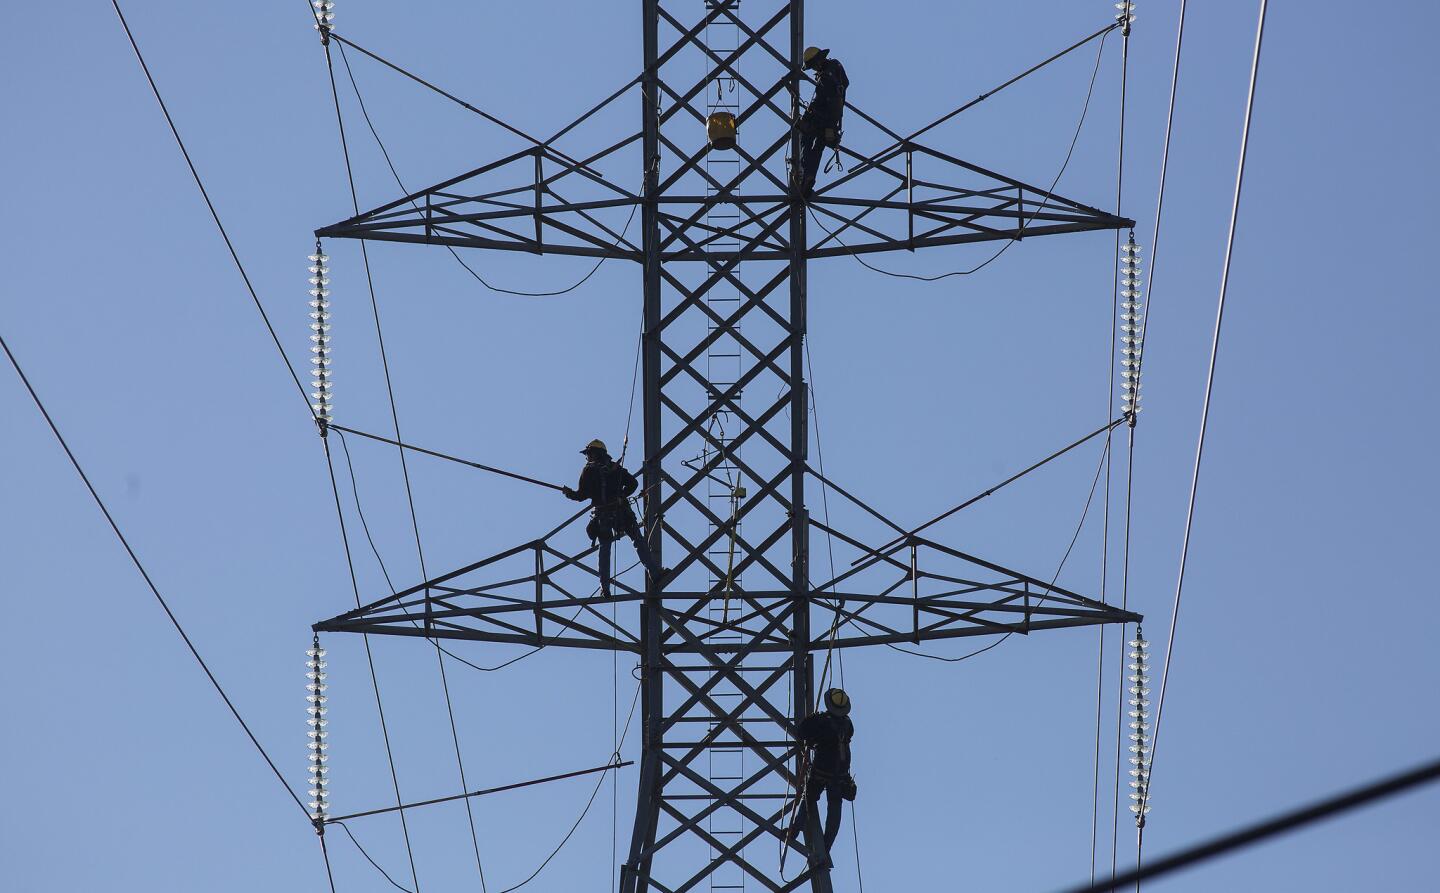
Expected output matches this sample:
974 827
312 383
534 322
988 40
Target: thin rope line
839 606
1210 376
825 505
135 559
593 794
376 865
215 215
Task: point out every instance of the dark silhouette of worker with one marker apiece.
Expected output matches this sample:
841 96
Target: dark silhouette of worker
829 731
820 125
609 486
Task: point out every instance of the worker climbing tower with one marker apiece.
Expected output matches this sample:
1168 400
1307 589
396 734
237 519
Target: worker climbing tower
727 641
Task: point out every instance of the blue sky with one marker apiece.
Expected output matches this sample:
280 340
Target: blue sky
1305 660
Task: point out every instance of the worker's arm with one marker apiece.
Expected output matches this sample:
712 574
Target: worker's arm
628 482
579 492
808 729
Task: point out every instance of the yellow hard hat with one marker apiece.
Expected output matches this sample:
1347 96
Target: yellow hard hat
812 53
596 444
837 702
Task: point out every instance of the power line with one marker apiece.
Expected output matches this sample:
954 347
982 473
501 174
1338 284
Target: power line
215 215
1281 824
1209 378
135 559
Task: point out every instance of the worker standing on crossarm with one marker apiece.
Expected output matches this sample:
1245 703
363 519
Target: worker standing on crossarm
820 125
609 487
829 732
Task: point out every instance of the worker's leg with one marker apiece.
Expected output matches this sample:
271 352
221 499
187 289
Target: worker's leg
834 804
605 544
812 148
642 548
806 809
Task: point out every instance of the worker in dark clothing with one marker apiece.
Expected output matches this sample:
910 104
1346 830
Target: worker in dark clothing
609 487
829 733
820 125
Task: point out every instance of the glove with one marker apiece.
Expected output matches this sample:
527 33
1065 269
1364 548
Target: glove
569 493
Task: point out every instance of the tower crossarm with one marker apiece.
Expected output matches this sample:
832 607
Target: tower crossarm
726 638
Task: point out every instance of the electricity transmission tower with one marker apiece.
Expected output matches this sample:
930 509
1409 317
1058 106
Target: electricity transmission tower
727 643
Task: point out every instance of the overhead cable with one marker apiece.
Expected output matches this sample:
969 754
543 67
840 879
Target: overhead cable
1210 374
205 194
135 559
1284 823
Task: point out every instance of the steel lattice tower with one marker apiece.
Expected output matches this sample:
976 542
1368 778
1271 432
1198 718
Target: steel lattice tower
721 689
